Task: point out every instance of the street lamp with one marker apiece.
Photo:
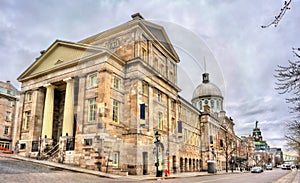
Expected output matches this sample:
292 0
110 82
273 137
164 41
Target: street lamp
157 143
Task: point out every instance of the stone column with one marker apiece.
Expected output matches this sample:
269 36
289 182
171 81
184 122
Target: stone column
48 112
68 121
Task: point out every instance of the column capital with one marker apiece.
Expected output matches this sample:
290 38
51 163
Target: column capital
69 79
49 85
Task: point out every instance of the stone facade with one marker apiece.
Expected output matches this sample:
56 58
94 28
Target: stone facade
98 104
9 97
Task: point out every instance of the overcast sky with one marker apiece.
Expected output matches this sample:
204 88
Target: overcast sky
240 55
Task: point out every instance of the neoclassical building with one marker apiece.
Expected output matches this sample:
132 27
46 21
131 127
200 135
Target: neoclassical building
99 102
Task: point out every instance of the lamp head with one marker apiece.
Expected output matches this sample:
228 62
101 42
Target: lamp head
157 135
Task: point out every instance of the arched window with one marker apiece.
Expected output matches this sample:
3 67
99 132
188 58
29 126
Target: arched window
212 104
200 105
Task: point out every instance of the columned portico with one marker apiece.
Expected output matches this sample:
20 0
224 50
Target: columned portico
68 108
48 112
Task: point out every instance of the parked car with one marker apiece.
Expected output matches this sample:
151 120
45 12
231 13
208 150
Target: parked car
257 169
269 167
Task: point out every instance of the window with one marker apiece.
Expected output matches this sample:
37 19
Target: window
88 142
116 111
28 96
200 105
9 103
117 83
159 96
92 80
6 130
212 104
173 105
155 64
218 104
22 146
173 125
35 146
160 121
92 109
113 43
171 76
145 88
144 54
8 116
26 120
115 159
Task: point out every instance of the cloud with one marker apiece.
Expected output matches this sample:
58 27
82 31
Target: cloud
244 55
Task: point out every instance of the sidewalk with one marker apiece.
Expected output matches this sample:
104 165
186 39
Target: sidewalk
107 175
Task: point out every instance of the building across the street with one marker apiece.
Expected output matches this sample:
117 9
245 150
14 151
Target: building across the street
110 102
9 96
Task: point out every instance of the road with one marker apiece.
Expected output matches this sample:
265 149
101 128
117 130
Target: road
21 171
12 170
269 176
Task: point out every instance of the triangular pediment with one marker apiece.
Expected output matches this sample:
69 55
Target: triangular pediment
60 54
155 31
160 34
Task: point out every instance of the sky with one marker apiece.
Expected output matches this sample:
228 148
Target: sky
239 55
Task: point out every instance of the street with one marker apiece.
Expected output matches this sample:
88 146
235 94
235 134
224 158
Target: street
21 171
247 177
12 170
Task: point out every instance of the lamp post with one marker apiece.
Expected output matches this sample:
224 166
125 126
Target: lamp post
157 143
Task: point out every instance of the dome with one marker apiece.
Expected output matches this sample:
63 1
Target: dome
207 89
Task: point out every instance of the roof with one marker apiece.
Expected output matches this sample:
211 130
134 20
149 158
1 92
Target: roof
207 89
157 33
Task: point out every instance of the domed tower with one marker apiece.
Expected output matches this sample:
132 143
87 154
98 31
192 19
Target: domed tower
209 94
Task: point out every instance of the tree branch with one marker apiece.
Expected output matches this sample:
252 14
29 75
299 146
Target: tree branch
280 15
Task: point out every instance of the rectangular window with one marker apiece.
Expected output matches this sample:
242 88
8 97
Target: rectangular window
35 146
160 121
115 159
144 54
142 111
173 125
26 120
173 105
28 96
145 88
113 43
116 111
179 125
22 146
92 109
92 80
117 83
9 103
159 96
6 130
8 116
88 142
155 64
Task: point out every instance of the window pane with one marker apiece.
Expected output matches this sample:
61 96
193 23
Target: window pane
92 107
116 109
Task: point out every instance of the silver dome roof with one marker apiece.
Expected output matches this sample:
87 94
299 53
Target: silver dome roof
206 89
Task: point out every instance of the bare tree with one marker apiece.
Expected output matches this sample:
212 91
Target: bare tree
288 78
289 82
293 139
277 19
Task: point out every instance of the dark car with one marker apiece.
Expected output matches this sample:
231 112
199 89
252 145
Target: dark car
257 169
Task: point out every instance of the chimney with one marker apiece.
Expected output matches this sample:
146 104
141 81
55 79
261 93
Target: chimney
137 16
